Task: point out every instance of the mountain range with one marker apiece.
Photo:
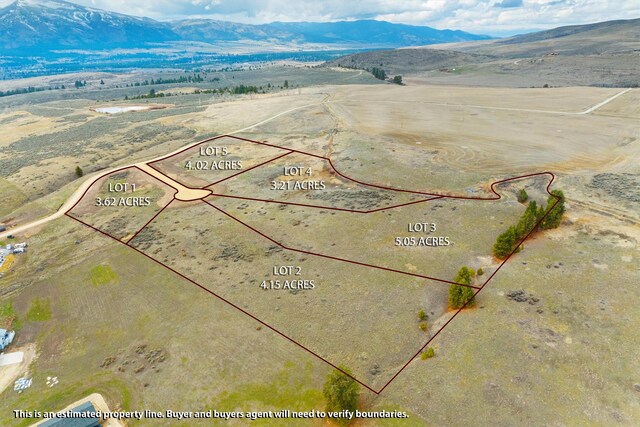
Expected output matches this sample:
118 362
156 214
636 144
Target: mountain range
41 25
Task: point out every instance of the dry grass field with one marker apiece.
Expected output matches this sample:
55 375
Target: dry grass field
146 338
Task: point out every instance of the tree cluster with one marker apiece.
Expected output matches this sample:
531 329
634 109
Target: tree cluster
545 218
379 73
29 89
459 296
242 89
235 90
152 94
195 78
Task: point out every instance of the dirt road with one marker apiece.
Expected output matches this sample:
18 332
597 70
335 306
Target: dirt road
77 195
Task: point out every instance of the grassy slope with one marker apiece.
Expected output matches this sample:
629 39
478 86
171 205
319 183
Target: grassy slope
217 358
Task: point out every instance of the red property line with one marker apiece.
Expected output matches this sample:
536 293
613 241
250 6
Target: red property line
336 258
246 170
280 244
301 345
496 196
530 232
515 249
185 149
150 221
478 289
273 146
226 301
330 208
94 181
168 185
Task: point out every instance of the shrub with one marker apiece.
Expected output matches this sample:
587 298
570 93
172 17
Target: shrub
523 196
427 354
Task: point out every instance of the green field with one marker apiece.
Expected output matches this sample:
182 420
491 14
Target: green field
103 274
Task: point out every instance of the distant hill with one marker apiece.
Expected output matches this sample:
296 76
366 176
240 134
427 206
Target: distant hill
619 29
610 37
408 61
40 25
601 54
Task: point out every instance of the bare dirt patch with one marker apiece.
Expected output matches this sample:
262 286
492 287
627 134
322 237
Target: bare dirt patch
118 109
10 373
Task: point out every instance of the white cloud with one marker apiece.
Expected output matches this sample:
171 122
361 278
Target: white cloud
480 16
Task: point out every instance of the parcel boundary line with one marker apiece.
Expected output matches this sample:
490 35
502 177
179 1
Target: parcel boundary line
434 196
64 207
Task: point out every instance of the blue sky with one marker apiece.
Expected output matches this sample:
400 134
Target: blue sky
495 17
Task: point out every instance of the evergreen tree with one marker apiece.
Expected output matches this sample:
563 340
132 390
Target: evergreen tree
464 276
523 196
459 295
554 217
397 80
527 221
79 171
286 84
505 243
341 392
540 213
379 73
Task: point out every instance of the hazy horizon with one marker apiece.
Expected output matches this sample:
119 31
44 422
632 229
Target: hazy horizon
495 17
